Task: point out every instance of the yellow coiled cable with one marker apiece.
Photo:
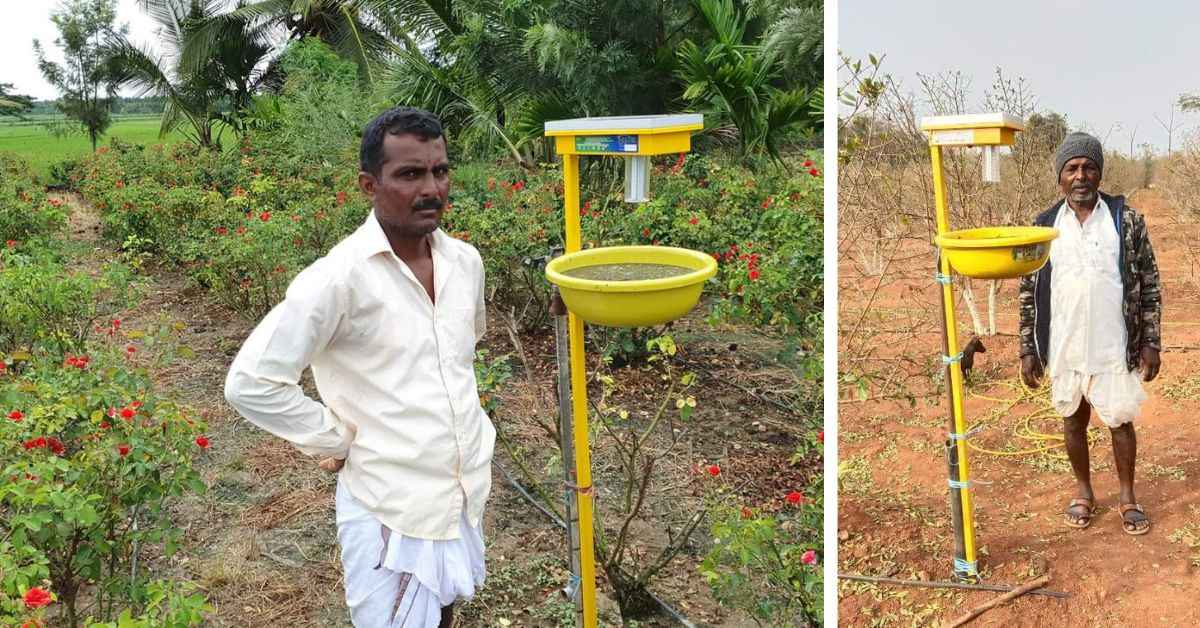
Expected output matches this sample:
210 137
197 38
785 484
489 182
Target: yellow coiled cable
1023 428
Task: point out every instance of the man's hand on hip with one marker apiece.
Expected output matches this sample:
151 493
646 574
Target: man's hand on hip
1150 364
332 465
1031 371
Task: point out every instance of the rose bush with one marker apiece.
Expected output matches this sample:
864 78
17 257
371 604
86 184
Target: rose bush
46 304
25 211
763 224
766 560
89 454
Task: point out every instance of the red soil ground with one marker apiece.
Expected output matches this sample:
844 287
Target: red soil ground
893 498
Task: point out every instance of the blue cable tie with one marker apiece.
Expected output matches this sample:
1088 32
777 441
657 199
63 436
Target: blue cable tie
942 279
960 485
965 566
572 588
948 360
969 433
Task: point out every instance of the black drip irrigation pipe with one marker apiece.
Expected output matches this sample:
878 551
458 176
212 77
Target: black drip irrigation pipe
674 614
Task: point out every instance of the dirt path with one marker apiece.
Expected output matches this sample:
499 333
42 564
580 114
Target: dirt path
892 507
262 541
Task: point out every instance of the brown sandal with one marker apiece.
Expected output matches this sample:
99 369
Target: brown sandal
1131 527
1080 521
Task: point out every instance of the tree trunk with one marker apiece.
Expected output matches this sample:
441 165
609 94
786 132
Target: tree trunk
993 289
969 299
633 599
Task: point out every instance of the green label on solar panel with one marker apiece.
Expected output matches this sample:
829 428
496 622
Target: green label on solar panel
606 143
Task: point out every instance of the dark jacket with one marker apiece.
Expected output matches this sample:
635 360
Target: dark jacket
1142 302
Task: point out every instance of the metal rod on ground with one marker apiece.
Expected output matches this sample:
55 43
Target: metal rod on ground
1007 597
939 584
566 431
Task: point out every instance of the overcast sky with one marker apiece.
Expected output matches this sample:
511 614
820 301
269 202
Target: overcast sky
1099 62
21 21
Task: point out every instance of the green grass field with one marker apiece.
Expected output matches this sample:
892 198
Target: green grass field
41 149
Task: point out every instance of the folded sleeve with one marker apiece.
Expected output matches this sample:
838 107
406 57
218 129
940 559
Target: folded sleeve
263 383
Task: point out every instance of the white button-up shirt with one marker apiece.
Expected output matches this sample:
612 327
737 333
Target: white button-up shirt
1087 328
395 371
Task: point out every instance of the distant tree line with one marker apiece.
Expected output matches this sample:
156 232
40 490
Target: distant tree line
494 72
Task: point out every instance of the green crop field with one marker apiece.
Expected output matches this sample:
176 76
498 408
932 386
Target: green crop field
41 149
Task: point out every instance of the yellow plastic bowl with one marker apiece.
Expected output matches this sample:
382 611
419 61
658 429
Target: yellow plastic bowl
639 303
997 252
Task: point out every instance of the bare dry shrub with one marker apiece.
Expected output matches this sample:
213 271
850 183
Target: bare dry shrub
886 205
1179 182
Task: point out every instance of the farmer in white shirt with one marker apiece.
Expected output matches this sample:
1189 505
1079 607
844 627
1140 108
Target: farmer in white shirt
388 321
1091 317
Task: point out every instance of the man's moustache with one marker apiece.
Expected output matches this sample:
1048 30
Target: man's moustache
424 205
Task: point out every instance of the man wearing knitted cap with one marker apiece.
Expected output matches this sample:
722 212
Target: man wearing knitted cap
1091 319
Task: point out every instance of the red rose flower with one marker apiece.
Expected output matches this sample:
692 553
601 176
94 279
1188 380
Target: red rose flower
135 404
487 205
202 442
37 597
341 198
694 220
713 470
16 415
807 163
646 232
753 275
130 349
222 231
241 230
123 450
518 186
55 446
104 425
814 172
746 514
821 436
12 244
794 498
809 558
127 413
265 216
767 203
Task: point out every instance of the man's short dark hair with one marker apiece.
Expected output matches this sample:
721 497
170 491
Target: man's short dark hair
394 121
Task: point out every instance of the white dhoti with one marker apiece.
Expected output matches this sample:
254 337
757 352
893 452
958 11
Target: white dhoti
394 580
1116 397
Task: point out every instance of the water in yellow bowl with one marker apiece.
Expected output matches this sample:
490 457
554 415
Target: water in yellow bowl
626 272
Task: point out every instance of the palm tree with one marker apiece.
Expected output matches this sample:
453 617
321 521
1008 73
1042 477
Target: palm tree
363 31
208 95
750 84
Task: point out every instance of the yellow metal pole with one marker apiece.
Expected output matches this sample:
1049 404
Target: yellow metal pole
956 379
583 458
